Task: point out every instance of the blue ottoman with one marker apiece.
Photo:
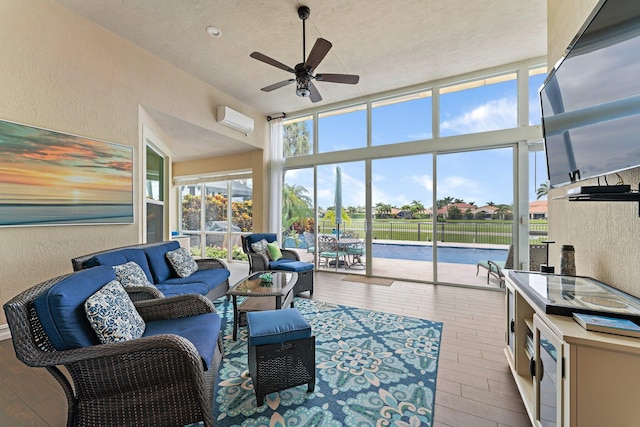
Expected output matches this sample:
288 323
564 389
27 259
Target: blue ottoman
305 275
282 351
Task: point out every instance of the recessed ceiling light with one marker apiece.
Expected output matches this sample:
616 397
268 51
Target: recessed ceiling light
214 31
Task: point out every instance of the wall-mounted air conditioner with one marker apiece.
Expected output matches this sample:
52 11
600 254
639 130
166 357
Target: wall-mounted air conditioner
235 120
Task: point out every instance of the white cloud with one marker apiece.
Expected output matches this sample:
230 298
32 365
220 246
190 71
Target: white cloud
495 114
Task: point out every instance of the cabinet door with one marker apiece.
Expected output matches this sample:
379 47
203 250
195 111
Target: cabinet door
547 372
511 319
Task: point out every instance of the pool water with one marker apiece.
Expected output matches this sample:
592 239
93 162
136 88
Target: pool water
449 254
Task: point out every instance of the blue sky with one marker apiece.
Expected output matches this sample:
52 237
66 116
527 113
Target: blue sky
480 176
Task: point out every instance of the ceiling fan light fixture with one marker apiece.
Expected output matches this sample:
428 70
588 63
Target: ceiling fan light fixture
302 86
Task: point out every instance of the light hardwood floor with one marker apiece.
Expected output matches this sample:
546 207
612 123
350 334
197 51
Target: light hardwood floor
474 385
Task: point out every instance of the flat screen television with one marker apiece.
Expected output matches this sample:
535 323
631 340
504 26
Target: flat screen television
591 99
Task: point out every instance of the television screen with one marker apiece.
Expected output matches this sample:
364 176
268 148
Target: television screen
591 100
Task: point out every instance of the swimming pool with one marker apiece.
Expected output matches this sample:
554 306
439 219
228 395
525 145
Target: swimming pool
449 254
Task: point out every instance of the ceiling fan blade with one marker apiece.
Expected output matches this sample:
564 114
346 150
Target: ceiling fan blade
315 95
317 54
350 79
264 58
277 85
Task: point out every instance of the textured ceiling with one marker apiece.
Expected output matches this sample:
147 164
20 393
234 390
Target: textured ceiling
390 44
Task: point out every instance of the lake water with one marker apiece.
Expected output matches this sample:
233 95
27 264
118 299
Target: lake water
449 254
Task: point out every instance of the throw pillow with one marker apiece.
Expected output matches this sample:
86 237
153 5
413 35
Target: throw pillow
131 275
274 251
112 314
260 247
182 262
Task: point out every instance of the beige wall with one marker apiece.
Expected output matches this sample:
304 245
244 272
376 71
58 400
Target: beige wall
606 235
61 72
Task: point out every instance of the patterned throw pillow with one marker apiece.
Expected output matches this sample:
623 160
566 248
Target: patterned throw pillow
112 314
131 275
261 248
182 262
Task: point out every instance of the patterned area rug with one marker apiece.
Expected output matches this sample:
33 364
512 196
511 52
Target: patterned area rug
372 369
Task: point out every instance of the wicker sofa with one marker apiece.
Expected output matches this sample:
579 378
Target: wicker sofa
211 279
164 377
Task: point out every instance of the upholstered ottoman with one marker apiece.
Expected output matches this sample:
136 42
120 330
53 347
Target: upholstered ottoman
282 351
305 275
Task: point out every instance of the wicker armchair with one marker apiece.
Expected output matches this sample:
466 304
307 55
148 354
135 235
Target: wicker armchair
150 381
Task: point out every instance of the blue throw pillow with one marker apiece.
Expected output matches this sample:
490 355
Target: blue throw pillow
112 314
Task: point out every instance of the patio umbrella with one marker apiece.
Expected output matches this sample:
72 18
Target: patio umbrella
338 200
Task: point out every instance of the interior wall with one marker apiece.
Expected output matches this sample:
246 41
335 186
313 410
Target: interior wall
605 234
64 73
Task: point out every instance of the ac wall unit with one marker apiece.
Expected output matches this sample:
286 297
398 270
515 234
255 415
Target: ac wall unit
235 120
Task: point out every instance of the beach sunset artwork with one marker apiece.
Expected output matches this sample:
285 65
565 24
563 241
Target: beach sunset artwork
52 178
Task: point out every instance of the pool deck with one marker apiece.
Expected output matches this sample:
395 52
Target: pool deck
400 269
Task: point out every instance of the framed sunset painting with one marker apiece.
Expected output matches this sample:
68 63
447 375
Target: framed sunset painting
52 178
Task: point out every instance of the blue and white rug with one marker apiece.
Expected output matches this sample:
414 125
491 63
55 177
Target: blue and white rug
372 369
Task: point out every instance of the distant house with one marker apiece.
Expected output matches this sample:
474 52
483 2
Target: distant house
462 207
539 209
484 212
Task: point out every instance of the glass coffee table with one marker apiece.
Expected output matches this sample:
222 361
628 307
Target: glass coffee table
261 295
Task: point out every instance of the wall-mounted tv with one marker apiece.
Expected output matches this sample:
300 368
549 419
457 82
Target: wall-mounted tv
591 99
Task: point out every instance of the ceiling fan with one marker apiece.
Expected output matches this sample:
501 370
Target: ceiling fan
304 71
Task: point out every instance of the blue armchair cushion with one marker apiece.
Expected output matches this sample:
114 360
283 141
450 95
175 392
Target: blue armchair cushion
296 266
276 326
182 262
184 289
61 308
202 330
120 257
112 314
161 268
131 275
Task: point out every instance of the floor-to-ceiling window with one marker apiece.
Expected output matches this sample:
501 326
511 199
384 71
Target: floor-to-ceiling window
464 137
215 213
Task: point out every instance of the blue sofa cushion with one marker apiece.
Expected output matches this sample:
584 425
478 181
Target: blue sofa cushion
122 256
61 308
293 265
161 269
172 290
276 326
211 278
256 237
202 330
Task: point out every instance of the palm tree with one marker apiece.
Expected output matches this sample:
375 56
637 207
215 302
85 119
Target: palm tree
383 209
444 202
296 205
543 190
502 211
416 207
295 139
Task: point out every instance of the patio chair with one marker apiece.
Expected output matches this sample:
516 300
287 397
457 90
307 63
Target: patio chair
330 250
537 257
311 242
355 251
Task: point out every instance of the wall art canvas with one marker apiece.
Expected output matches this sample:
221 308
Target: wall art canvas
52 178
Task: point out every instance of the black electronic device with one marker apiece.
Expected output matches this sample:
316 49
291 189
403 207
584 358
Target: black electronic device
599 189
591 99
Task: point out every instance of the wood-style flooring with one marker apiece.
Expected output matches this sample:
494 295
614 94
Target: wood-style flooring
474 385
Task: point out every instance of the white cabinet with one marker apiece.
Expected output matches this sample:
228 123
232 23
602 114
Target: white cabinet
568 376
